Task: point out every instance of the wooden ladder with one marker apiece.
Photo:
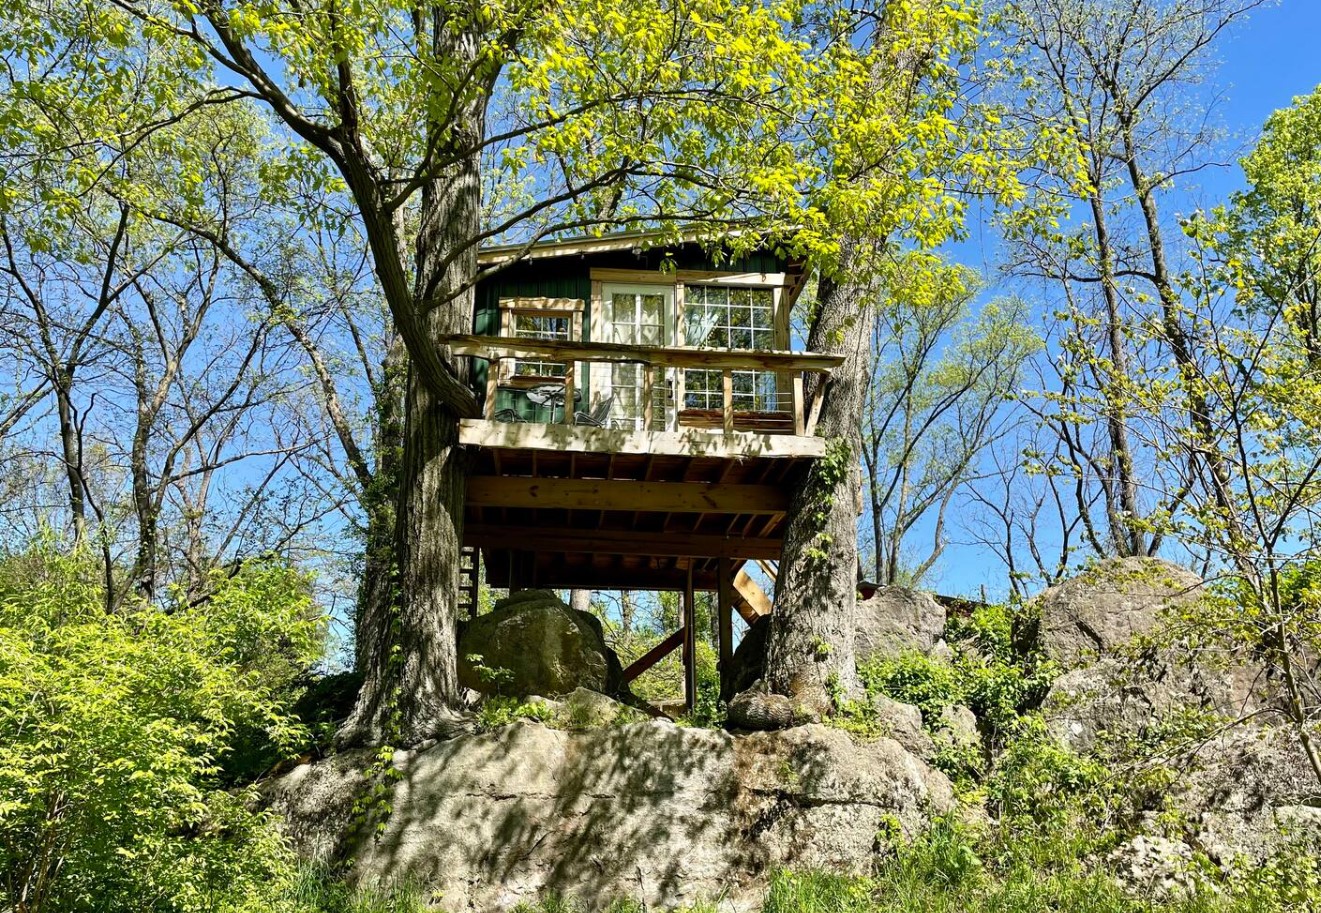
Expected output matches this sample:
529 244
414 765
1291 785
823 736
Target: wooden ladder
468 566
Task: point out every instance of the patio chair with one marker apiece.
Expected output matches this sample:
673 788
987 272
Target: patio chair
599 417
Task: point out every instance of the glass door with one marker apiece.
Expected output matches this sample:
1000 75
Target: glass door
637 315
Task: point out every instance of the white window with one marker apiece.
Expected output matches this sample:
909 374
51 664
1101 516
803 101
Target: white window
727 317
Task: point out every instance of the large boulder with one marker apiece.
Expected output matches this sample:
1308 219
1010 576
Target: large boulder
533 643
1134 698
893 621
1108 605
896 620
667 815
1249 794
749 660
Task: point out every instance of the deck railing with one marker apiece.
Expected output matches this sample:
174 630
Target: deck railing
790 415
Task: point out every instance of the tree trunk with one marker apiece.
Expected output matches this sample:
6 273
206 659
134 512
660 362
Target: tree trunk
410 677
380 499
810 653
580 600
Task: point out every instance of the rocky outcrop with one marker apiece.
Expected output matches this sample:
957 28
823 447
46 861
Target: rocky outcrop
903 723
1130 698
1108 605
533 643
1248 794
896 620
893 621
664 814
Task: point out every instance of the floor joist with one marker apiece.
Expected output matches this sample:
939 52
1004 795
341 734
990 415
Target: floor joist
623 542
603 494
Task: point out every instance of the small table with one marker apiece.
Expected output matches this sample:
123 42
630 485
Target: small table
552 396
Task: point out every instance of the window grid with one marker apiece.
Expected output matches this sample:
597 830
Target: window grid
735 318
541 327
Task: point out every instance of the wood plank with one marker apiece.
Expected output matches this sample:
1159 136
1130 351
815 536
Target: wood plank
781 422
648 396
800 420
620 494
556 305
689 277
752 593
664 356
686 442
623 542
727 401
654 655
818 400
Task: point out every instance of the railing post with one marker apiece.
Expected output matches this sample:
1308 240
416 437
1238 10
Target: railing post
727 409
492 386
648 395
818 398
568 394
800 419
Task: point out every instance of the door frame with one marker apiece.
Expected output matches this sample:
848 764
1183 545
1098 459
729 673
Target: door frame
608 332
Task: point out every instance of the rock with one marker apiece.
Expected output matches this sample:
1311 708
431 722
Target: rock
1128 699
749 659
1248 795
959 725
903 723
532 643
896 619
1155 867
1109 605
584 709
755 709
669 816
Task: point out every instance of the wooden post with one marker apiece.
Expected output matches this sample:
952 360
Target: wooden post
492 386
725 616
727 406
648 395
818 399
567 418
689 643
800 418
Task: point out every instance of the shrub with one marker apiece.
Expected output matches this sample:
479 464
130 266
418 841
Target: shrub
113 728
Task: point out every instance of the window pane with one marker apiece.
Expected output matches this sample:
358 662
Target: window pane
622 307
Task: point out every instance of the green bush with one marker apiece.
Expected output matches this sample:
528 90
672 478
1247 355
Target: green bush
113 731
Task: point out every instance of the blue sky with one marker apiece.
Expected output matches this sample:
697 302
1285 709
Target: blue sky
1263 64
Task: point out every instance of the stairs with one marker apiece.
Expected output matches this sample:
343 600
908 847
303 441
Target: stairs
468 568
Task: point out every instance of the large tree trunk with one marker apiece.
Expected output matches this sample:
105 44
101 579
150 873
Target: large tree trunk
810 653
380 500
410 684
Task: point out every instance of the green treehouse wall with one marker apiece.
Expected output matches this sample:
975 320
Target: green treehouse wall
570 277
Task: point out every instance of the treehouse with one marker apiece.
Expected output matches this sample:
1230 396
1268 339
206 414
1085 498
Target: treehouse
643 422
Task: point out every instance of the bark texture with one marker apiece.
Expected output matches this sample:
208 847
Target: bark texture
811 647
410 666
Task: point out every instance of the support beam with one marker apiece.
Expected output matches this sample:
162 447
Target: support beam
621 542
689 644
725 618
655 655
686 442
752 594
615 494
